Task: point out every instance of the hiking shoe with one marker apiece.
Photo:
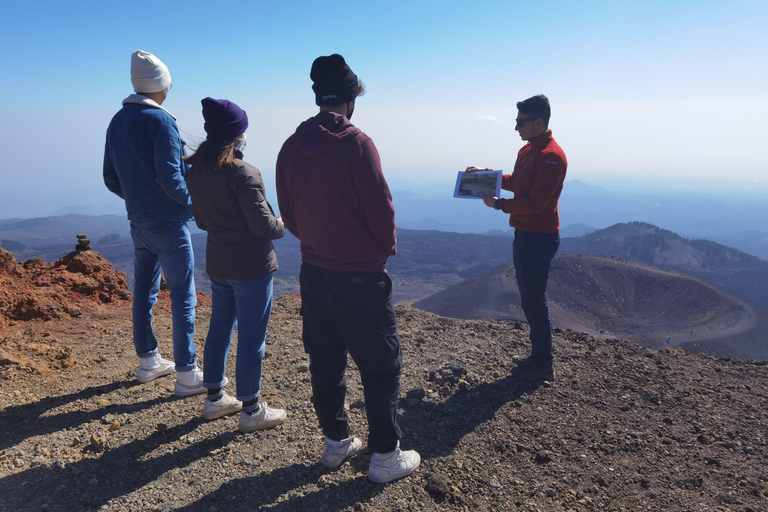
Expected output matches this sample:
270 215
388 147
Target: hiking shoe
337 451
522 360
386 467
533 371
189 383
264 418
221 407
153 367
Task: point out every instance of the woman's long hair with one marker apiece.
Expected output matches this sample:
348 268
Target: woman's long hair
215 155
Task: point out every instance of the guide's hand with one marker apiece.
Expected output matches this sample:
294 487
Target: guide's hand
472 168
489 200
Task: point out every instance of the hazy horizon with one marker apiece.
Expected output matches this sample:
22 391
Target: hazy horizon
653 96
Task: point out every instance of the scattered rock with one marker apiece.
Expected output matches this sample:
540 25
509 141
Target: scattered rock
438 485
417 394
97 443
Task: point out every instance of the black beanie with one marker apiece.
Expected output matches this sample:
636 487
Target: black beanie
334 83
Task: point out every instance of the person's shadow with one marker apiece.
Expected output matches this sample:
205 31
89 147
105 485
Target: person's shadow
20 422
255 492
460 415
117 472
121 470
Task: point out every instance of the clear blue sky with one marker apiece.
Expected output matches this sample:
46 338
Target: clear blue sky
650 93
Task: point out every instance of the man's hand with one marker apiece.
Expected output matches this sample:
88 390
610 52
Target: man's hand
488 200
476 169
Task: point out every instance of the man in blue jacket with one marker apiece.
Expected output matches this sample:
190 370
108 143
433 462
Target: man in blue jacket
143 165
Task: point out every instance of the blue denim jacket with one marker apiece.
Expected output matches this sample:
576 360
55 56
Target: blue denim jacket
142 162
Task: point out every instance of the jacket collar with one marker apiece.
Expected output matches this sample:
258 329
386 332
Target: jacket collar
138 99
542 140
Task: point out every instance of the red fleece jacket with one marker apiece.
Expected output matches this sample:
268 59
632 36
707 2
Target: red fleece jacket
333 196
537 182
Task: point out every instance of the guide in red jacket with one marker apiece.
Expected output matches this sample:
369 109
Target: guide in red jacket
537 181
333 197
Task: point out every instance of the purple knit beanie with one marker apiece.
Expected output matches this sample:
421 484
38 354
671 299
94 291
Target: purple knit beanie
223 119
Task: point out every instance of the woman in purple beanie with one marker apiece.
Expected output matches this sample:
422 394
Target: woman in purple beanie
229 203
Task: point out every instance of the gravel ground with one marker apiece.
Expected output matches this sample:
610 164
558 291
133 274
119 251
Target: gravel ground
622 427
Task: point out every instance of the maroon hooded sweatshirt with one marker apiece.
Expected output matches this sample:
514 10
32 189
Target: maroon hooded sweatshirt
333 196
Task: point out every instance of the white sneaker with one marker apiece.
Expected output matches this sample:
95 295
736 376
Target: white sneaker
386 467
262 419
221 407
153 367
189 383
337 451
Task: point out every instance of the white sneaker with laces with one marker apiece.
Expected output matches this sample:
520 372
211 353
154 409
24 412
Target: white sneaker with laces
189 383
264 418
337 452
386 467
153 367
223 406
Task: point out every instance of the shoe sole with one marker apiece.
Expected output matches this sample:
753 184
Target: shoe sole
144 380
263 426
184 394
392 479
220 414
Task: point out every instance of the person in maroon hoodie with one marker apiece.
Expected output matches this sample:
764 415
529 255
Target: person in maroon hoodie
537 181
333 197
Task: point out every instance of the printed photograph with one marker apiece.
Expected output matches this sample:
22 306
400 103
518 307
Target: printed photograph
474 184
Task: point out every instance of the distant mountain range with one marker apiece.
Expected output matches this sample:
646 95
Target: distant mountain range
467 276
427 261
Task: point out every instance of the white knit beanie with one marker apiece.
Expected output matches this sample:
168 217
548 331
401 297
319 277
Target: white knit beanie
148 73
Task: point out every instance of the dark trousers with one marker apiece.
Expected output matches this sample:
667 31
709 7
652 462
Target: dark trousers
532 254
352 312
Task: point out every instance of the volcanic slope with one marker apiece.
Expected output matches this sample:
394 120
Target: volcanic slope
612 297
742 274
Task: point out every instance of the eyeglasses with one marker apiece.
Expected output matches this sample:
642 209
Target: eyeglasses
521 122
170 86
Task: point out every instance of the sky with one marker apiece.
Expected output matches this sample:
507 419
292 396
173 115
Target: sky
646 95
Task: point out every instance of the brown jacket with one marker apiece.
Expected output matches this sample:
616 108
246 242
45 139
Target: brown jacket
231 206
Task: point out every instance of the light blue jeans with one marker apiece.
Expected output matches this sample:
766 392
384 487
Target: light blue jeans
164 246
246 303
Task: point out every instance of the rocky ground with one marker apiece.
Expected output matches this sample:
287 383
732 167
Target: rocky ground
622 427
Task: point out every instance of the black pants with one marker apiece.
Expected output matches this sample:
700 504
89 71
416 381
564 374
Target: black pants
532 254
352 312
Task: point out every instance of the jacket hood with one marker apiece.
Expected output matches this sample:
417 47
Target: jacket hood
323 132
138 99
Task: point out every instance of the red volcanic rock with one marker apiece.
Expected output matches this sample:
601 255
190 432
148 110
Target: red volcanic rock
8 264
46 291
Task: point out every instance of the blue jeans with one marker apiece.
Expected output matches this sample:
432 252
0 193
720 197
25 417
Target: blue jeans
246 303
532 254
164 246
